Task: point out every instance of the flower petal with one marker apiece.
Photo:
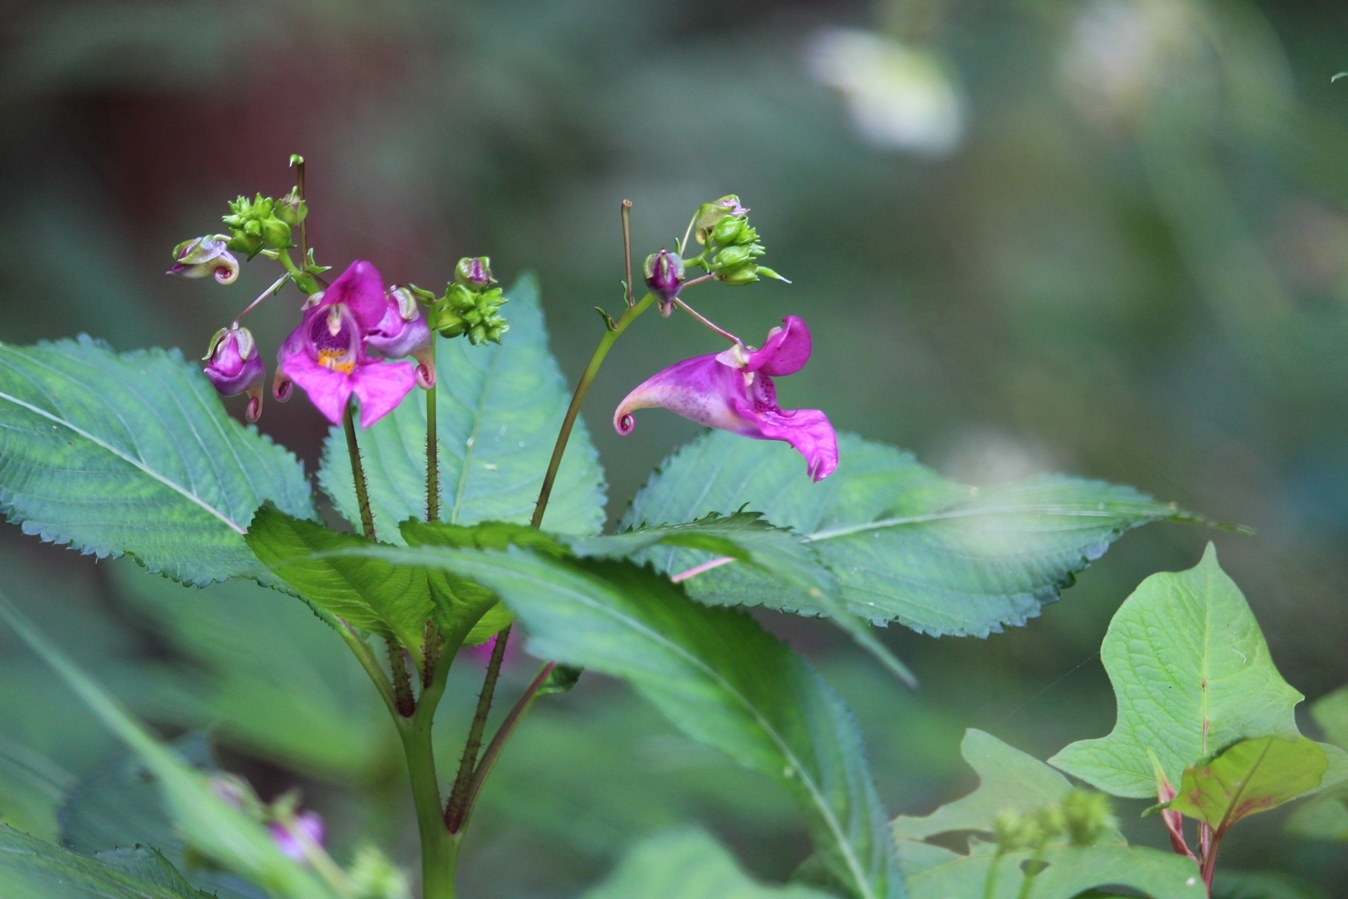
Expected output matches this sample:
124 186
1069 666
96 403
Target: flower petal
700 389
360 288
381 386
328 389
809 431
786 350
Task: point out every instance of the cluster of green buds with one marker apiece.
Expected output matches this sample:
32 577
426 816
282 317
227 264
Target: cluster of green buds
732 247
470 305
1081 818
261 224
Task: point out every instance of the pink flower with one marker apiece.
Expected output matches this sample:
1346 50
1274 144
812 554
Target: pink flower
402 332
205 256
733 391
234 366
326 354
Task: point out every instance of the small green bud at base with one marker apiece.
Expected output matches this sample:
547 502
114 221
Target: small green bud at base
291 209
474 272
276 234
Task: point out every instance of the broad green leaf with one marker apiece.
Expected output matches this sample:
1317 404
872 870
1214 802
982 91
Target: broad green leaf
713 672
687 865
905 544
213 828
782 564
1069 871
30 867
498 410
1330 713
393 602
1229 884
133 453
1008 780
1191 674
1249 777
1326 816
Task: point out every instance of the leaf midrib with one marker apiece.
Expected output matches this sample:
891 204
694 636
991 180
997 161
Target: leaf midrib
135 463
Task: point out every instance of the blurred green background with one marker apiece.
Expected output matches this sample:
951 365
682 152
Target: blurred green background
1106 237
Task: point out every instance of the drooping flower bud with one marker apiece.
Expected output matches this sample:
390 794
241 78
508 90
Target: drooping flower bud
234 366
403 332
474 272
664 277
292 837
204 256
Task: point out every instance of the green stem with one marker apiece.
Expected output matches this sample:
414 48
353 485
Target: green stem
1035 865
630 314
439 851
990 884
358 472
503 734
402 682
458 797
432 458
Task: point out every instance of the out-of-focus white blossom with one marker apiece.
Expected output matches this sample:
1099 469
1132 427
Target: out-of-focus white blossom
900 97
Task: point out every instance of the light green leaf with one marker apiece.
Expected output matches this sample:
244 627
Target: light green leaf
687 865
1330 713
1070 870
216 830
1008 780
1229 884
781 563
713 672
1191 673
389 601
905 544
30 867
134 453
498 410
1249 777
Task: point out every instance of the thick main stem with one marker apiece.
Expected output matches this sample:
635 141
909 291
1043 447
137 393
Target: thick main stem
439 851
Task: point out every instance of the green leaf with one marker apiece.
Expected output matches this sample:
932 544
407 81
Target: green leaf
687 865
1326 816
714 673
905 544
393 602
1191 673
1068 871
1008 780
30 867
1330 713
782 564
498 410
1249 777
210 826
1262 885
134 453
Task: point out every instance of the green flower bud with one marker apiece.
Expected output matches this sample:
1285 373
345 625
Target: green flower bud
744 274
731 257
276 234
728 230
474 272
291 209
1088 816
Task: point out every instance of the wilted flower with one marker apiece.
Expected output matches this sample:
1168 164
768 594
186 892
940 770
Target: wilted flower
709 214
402 332
733 391
205 256
290 838
326 354
664 277
234 366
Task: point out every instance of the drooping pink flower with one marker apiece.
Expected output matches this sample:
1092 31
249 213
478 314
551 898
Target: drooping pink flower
733 391
327 354
402 332
205 256
234 366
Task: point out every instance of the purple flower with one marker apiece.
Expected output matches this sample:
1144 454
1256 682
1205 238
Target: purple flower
402 332
234 366
733 391
205 256
326 354
307 827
